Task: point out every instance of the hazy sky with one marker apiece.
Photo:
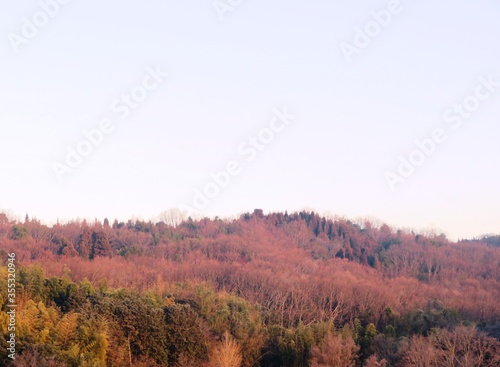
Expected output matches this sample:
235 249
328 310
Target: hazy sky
234 71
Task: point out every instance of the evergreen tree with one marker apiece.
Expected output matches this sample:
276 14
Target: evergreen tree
84 245
100 245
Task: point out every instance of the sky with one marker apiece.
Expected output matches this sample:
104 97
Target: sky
123 109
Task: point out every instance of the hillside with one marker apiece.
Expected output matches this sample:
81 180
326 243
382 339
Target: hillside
272 289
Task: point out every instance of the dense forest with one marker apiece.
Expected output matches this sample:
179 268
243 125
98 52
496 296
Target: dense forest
277 289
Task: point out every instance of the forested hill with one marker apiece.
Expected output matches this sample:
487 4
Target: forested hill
490 240
280 289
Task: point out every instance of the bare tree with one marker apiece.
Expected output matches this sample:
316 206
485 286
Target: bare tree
462 347
173 217
335 351
419 352
373 361
466 347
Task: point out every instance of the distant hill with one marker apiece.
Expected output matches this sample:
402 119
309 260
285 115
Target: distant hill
490 240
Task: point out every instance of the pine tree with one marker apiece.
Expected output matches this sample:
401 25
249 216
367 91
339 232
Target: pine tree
85 243
100 245
66 248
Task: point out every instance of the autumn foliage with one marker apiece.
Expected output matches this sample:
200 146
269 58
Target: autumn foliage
280 289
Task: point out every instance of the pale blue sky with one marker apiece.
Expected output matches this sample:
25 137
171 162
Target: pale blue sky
352 120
